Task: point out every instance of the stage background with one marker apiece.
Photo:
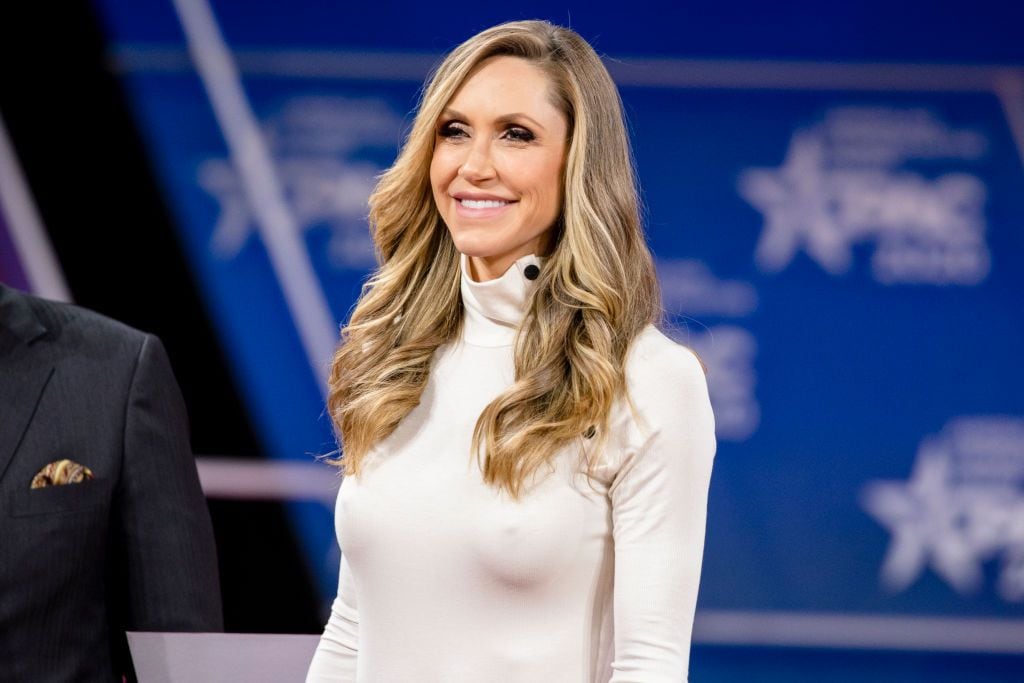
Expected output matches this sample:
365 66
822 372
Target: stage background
835 198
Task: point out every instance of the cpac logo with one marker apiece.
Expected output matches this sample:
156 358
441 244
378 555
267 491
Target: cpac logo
321 147
963 506
846 181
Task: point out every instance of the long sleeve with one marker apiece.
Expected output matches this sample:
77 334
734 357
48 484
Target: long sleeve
659 510
336 655
165 531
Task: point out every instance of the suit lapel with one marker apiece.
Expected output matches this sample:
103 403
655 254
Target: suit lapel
24 371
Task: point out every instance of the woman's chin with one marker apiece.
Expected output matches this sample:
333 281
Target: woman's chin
477 248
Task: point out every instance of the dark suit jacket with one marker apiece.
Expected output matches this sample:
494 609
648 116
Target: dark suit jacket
130 550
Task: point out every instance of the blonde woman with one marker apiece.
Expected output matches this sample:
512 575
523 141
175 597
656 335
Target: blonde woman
526 456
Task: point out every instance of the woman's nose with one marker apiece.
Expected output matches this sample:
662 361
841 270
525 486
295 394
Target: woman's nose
477 164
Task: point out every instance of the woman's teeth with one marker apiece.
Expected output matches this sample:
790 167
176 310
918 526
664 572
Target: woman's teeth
482 203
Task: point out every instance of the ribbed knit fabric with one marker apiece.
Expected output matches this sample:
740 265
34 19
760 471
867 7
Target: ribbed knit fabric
446 579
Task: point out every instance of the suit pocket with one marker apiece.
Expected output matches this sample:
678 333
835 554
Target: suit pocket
57 499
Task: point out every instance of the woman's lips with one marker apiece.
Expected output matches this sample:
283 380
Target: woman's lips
481 208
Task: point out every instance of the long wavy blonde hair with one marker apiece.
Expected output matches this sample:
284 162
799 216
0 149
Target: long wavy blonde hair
596 292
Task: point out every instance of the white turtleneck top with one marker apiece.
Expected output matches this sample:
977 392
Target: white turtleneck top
446 579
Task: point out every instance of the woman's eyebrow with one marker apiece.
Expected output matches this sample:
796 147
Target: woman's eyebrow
501 120
512 118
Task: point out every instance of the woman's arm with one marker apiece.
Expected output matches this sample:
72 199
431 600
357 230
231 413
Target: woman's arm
336 655
659 509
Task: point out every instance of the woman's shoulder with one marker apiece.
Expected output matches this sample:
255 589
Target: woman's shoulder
665 382
656 360
666 394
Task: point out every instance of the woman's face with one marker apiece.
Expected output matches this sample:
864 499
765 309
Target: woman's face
496 173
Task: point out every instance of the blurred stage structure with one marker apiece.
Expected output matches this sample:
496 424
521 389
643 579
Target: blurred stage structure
219 657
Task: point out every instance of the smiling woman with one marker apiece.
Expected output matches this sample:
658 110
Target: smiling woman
527 457
497 166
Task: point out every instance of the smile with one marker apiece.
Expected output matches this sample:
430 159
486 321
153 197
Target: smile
481 209
482 203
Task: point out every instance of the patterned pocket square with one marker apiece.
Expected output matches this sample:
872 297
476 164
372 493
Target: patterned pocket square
61 472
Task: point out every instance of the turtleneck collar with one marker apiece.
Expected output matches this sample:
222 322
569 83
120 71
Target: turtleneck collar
494 309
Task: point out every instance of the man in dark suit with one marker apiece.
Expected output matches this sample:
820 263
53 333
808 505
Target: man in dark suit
103 526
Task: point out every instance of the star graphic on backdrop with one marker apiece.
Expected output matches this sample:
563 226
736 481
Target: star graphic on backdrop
926 521
795 200
234 222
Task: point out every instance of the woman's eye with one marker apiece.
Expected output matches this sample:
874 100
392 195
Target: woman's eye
452 130
519 134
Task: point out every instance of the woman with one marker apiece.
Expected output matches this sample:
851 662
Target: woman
527 457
